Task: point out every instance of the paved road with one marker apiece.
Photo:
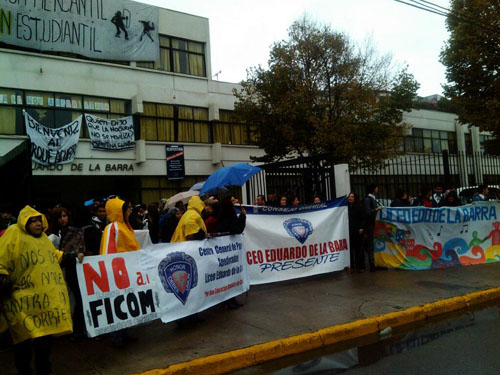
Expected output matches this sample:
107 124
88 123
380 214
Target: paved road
270 312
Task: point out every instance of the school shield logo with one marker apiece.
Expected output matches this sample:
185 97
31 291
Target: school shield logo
298 228
178 275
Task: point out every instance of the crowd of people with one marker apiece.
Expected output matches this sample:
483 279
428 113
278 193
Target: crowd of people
50 241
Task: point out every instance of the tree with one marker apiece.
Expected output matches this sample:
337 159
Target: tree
472 59
321 94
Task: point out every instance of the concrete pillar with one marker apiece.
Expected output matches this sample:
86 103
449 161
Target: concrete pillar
462 158
476 149
342 180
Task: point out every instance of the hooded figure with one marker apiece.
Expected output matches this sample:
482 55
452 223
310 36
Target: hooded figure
37 303
191 225
118 236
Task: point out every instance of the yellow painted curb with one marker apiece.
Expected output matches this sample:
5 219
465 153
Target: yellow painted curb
237 359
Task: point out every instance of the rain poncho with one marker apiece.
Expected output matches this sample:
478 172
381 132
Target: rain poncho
191 222
41 306
118 236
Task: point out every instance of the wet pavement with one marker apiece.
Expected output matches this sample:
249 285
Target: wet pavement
271 311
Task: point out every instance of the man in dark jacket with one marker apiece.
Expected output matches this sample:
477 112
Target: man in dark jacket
371 206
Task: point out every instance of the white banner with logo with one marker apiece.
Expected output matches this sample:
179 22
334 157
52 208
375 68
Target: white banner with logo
110 135
170 281
193 276
100 29
285 243
116 292
51 146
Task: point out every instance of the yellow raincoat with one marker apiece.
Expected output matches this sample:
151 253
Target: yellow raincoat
118 236
191 222
41 306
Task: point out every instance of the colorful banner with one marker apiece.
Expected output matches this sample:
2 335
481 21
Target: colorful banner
99 29
111 135
167 281
422 238
51 146
285 243
116 292
193 276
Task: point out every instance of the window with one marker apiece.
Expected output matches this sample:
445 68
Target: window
468 144
483 138
227 130
53 110
429 141
169 123
179 56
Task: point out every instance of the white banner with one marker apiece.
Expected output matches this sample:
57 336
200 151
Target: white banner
116 292
51 146
193 276
111 135
170 281
100 29
284 243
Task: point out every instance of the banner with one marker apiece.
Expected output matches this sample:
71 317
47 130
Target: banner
99 29
170 281
421 238
195 275
116 292
284 243
175 162
111 135
51 146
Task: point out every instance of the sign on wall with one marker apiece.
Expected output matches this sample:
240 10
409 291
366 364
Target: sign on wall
51 146
111 135
101 29
284 243
175 162
422 238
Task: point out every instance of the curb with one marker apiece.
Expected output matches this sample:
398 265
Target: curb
253 355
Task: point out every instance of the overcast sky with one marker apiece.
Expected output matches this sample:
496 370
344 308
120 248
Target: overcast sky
241 32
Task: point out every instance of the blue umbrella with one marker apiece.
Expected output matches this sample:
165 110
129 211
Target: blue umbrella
199 185
236 174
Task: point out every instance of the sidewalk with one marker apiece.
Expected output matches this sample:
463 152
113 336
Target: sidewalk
271 312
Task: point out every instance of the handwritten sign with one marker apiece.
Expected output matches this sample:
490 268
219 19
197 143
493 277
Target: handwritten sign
111 135
102 29
51 146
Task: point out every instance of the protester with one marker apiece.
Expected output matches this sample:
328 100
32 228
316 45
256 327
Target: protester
424 199
118 236
7 218
482 194
295 201
283 201
93 231
271 200
20 280
371 206
211 213
356 222
401 199
182 208
317 199
191 225
260 201
168 224
59 225
231 223
451 200
153 218
438 196
136 220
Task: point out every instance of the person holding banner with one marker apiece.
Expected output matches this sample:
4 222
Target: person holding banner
356 222
31 276
191 226
118 236
371 206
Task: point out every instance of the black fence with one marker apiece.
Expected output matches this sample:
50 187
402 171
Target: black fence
310 176
302 177
420 171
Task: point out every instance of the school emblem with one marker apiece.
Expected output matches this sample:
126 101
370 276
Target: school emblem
178 275
298 228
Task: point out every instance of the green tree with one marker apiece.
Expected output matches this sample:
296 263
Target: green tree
322 94
472 59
